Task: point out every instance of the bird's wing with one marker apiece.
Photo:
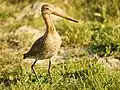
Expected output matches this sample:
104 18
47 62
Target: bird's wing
36 47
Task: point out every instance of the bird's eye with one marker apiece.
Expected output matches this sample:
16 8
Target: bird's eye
47 8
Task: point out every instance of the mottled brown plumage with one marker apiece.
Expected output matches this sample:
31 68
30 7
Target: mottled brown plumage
49 44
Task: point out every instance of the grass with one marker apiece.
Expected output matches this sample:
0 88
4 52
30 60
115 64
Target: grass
85 74
106 40
98 32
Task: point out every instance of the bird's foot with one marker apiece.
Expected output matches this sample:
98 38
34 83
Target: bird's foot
48 79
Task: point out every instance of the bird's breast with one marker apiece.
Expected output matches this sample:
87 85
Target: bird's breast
52 44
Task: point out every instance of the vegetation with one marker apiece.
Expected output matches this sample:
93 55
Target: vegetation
97 33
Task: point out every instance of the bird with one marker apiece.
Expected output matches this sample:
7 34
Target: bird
48 45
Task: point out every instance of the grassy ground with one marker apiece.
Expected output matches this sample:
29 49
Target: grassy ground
98 31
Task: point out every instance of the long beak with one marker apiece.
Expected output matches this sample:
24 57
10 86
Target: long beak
55 13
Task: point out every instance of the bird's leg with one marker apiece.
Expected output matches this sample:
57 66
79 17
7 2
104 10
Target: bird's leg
32 67
49 70
49 66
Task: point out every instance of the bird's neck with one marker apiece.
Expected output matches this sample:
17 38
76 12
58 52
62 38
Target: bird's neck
49 23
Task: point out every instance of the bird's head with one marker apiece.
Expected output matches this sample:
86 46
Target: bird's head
47 9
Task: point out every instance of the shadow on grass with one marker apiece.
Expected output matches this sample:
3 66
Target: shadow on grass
77 74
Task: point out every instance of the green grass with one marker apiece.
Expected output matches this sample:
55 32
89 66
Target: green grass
98 32
84 74
74 34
